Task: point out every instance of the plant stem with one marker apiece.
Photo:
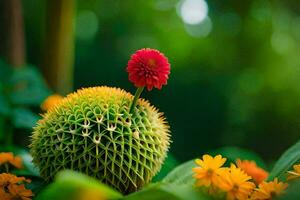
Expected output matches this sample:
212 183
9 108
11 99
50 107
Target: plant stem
12 43
6 167
135 99
9 134
58 58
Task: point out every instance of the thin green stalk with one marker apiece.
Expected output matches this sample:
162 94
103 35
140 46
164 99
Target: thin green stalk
135 99
6 167
8 134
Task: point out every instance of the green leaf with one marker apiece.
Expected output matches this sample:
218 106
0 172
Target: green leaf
165 191
29 87
234 153
169 164
72 185
36 185
24 118
285 162
292 192
182 175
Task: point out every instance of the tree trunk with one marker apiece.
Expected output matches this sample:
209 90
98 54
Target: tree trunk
58 51
12 43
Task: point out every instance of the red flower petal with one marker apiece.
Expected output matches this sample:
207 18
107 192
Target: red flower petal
148 68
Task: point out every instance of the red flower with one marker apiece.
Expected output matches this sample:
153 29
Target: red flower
148 68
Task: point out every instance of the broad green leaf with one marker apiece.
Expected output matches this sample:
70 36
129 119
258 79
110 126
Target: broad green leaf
24 118
166 191
29 87
234 153
286 161
182 175
36 185
292 192
169 164
76 186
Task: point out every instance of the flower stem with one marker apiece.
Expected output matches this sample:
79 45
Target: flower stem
6 167
136 97
9 134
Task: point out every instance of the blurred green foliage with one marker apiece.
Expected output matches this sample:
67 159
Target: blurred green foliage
178 184
234 76
234 82
76 186
289 158
73 185
21 92
169 164
292 192
234 153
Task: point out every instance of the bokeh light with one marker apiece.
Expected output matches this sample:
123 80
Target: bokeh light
282 43
199 30
193 11
86 25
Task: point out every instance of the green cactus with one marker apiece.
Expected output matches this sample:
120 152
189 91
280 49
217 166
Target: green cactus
92 131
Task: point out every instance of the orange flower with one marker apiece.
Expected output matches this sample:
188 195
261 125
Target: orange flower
258 174
295 173
20 192
208 169
235 182
9 158
6 178
51 102
4 195
269 190
12 188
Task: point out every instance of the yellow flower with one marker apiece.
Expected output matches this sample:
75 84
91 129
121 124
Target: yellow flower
269 190
208 170
12 188
295 173
235 182
51 102
9 158
258 174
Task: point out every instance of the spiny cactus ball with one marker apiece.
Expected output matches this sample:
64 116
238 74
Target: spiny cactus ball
92 131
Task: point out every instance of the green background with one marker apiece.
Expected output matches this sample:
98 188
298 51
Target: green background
235 77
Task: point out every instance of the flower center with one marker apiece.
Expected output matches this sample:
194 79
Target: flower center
152 63
5 187
209 172
235 188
